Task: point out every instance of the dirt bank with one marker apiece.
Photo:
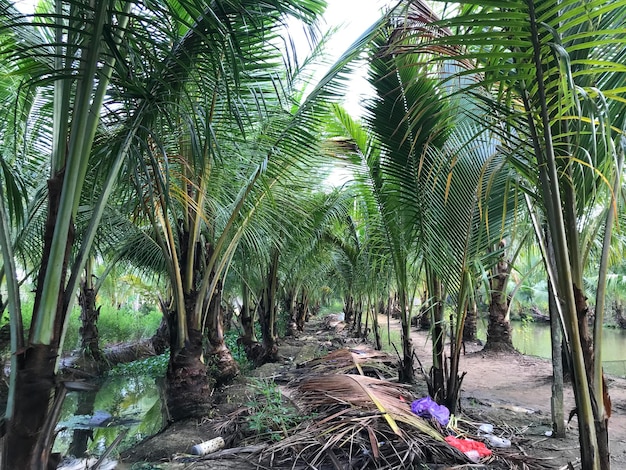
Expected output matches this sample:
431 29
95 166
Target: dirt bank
515 391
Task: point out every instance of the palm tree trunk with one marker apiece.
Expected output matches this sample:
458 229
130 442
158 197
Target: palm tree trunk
248 338
224 365
188 390
36 364
437 384
378 343
302 311
267 313
92 356
35 381
348 309
470 327
499 328
556 401
291 306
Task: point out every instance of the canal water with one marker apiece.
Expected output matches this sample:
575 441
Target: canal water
533 338
90 421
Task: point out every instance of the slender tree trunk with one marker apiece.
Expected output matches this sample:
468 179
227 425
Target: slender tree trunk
229 313
358 324
556 401
378 344
348 310
303 311
248 338
407 373
424 313
92 357
437 385
470 327
267 313
291 306
247 316
600 422
499 327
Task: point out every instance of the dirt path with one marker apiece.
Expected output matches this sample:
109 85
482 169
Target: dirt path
510 391
516 390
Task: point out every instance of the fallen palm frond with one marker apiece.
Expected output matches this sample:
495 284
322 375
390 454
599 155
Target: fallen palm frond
353 439
361 359
361 422
366 393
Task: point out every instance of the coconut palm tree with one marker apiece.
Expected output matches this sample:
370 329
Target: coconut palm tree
555 71
61 70
78 69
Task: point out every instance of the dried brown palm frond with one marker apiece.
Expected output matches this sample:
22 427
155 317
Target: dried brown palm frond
366 393
351 438
361 359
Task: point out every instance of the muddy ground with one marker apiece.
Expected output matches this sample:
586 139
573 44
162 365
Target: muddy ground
510 391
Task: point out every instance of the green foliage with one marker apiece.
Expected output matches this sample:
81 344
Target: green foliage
269 414
389 339
237 350
154 366
115 325
335 306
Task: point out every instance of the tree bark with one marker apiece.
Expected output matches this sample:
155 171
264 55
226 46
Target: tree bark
92 356
35 375
348 309
267 313
302 311
189 387
499 328
222 364
470 327
291 307
556 401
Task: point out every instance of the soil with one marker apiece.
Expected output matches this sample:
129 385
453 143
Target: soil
508 390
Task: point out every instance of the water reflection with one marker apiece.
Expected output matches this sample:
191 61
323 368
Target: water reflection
533 338
91 420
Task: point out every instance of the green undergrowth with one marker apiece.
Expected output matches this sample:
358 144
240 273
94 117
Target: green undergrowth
239 355
114 325
270 414
155 366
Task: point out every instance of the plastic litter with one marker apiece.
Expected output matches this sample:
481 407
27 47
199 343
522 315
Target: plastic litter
208 447
427 408
473 449
496 441
486 428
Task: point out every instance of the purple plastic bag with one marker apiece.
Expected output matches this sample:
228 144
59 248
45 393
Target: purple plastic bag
427 408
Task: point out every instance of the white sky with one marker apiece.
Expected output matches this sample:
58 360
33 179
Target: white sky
352 18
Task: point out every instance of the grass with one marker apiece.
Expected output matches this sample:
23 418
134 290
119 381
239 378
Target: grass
389 338
115 326
269 413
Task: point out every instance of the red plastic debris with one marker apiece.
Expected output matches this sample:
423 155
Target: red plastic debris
469 445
